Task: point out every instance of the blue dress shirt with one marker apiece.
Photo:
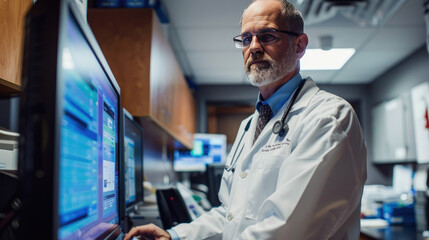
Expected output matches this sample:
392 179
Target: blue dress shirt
281 96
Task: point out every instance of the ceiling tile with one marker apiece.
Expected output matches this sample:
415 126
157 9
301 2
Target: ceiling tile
215 60
205 13
203 30
233 76
213 38
343 37
410 13
393 38
369 66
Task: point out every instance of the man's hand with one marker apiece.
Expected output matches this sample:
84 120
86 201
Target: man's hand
148 232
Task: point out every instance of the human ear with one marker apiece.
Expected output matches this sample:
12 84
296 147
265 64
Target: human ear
301 43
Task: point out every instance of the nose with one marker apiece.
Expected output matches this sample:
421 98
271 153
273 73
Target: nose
255 46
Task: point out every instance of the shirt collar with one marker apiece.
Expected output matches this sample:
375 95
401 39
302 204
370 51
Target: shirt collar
281 96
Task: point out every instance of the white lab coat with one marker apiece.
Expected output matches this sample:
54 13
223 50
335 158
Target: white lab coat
306 185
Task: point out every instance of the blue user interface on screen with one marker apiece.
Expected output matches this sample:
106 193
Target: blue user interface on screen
130 170
88 175
207 149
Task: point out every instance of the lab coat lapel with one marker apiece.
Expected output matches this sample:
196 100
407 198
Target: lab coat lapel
300 102
248 140
308 91
250 148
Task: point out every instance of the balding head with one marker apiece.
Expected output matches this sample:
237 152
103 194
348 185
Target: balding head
291 16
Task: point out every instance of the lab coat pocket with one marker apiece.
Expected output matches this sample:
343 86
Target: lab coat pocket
263 184
271 161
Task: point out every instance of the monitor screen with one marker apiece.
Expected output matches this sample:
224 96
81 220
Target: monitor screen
71 123
133 162
207 149
89 139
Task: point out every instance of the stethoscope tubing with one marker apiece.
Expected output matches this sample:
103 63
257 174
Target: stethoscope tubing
232 166
280 127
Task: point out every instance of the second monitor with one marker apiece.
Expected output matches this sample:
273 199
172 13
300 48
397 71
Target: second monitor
208 148
132 167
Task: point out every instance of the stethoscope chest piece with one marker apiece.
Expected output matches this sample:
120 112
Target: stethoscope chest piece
284 130
280 128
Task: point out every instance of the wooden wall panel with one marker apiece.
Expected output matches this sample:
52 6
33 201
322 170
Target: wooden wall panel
12 22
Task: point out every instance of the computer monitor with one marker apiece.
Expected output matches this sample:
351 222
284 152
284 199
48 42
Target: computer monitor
213 175
132 163
207 149
71 130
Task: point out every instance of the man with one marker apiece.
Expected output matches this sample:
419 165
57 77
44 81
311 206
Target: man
301 181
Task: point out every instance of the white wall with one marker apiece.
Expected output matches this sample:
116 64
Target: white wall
397 82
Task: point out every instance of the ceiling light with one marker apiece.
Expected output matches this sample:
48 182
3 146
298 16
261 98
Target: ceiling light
318 59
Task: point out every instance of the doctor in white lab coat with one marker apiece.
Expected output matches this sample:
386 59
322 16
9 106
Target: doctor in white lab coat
303 183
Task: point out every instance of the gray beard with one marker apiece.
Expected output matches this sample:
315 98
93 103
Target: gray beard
261 77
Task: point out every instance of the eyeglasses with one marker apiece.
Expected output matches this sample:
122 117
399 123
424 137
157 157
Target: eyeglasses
265 36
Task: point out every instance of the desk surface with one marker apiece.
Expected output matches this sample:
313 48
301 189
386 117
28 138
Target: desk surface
393 232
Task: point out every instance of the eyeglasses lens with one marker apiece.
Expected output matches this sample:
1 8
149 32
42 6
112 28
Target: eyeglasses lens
264 38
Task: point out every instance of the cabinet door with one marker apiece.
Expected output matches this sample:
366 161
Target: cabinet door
389 134
183 111
164 72
172 103
143 62
12 20
124 36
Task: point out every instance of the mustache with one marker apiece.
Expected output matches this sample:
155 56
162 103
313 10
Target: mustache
258 57
251 61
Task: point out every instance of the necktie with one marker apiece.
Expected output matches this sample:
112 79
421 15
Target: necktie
264 116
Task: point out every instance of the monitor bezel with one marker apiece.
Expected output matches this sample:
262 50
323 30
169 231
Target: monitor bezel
41 111
130 207
72 9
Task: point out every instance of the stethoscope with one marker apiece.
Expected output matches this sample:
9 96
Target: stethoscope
280 127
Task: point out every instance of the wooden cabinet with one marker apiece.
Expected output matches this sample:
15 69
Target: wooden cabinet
12 21
152 84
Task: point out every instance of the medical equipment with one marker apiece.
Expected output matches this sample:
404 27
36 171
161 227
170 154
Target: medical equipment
231 167
280 128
